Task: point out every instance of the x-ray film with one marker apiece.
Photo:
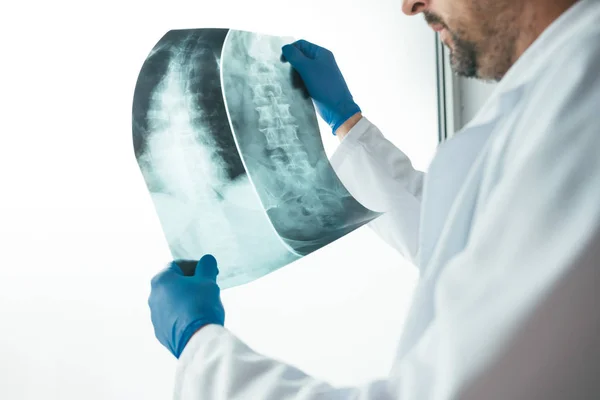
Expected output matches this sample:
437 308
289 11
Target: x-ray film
228 143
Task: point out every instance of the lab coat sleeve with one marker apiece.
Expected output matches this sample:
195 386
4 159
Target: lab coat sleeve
216 365
382 178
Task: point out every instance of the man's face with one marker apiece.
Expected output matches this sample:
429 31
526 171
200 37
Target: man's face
480 34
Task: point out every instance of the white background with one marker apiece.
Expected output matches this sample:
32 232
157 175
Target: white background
80 240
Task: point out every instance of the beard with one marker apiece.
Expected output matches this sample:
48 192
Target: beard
463 57
463 53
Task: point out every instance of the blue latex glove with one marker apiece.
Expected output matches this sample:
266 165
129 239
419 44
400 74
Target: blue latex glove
185 297
323 80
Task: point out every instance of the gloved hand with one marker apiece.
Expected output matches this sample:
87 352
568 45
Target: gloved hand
323 80
183 302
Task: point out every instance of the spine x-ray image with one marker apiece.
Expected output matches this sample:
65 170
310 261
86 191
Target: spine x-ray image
228 143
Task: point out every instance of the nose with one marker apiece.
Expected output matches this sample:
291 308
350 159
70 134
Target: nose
414 7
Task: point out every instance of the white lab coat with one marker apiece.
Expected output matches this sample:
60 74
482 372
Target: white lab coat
505 230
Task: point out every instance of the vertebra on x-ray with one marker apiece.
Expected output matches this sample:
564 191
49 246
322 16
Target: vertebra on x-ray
230 150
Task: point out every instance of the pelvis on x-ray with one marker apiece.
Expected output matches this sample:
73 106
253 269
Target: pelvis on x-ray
228 143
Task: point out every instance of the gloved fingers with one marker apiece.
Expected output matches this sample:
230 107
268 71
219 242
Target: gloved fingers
172 270
174 267
293 55
207 267
309 49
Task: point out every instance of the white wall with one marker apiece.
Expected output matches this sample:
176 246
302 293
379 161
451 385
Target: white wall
80 239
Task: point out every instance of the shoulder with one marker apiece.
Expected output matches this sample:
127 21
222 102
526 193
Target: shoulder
549 144
572 63
562 103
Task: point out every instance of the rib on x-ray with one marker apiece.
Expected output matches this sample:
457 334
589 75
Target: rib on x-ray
228 143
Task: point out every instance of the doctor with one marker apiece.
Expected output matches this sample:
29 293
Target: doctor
504 227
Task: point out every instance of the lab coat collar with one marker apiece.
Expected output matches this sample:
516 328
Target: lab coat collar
540 52
534 59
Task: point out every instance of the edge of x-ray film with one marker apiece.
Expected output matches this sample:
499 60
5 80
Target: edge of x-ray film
229 146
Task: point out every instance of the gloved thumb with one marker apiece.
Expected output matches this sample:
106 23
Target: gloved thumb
207 267
293 55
